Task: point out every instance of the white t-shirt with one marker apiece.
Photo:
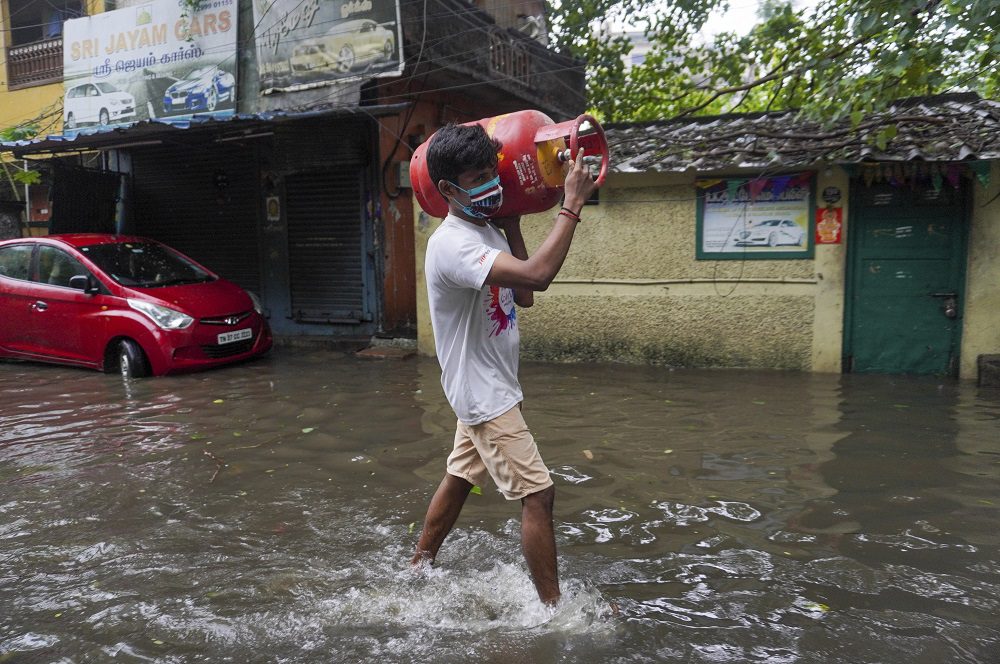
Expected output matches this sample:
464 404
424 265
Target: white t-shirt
475 326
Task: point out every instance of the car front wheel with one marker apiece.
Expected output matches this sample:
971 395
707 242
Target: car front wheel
346 59
71 121
104 117
213 99
772 240
131 360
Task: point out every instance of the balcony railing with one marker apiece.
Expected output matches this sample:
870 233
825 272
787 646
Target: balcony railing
36 63
510 59
467 42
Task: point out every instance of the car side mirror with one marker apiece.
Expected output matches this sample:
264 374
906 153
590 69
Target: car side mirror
86 283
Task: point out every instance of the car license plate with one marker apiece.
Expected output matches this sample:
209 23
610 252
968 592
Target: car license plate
235 335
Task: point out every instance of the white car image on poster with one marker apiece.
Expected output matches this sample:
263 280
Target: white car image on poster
96 102
309 43
149 61
772 222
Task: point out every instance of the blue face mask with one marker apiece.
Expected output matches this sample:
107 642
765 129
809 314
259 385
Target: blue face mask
484 200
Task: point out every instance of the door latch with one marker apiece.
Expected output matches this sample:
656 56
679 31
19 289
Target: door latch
949 304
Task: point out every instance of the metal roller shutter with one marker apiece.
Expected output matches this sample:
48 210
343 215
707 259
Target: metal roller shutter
314 144
326 244
202 200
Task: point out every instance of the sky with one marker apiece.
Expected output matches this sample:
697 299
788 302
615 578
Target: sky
742 16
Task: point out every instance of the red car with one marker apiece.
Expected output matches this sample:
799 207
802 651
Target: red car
122 303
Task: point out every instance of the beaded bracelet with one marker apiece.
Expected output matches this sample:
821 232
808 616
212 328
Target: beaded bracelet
569 213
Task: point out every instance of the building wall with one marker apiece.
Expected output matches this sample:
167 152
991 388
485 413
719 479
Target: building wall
19 106
399 291
631 289
508 13
830 268
981 312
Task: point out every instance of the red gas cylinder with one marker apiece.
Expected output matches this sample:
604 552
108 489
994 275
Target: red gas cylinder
531 162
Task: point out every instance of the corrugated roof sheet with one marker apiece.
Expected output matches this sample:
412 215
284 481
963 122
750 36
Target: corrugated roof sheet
940 128
100 137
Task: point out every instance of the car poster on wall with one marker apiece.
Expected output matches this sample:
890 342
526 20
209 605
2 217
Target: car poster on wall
756 218
310 43
148 61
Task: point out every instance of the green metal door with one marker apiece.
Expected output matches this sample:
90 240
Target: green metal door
906 270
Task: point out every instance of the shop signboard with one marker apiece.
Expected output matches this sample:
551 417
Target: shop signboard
147 61
305 44
755 218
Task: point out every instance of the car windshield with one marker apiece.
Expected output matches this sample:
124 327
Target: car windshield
144 264
106 87
196 74
771 222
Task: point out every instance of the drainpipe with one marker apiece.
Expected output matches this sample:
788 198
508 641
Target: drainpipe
27 202
120 206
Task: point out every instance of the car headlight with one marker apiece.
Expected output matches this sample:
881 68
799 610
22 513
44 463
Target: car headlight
115 102
164 317
257 306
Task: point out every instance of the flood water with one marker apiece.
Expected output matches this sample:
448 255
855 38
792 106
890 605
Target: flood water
266 513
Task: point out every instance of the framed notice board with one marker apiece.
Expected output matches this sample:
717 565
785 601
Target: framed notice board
763 218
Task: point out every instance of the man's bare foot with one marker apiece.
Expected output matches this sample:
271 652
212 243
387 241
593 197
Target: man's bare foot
422 559
551 602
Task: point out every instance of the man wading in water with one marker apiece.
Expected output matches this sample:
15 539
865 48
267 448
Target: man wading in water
475 275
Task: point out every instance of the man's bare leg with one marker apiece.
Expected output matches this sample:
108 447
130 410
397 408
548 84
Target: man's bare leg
538 542
441 516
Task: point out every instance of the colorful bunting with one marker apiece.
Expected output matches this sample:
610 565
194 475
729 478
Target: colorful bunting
733 187
802 179
869 176
981 169
917 174
779 184
756 186
952 174
936 179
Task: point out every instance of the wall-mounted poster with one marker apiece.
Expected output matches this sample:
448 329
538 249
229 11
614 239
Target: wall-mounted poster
829 225
756 218
151 60
310 43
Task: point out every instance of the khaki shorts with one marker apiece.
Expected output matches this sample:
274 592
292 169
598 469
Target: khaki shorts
503 449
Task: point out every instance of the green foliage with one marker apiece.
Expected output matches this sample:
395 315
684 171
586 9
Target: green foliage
15 175
843 59
19 133
27 177
189 7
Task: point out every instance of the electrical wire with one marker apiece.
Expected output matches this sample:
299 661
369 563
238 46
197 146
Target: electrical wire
470 11
765 173
409 115
395 81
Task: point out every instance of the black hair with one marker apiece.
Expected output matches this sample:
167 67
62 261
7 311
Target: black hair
455 149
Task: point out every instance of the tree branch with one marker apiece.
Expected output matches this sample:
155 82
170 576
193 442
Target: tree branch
772 76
